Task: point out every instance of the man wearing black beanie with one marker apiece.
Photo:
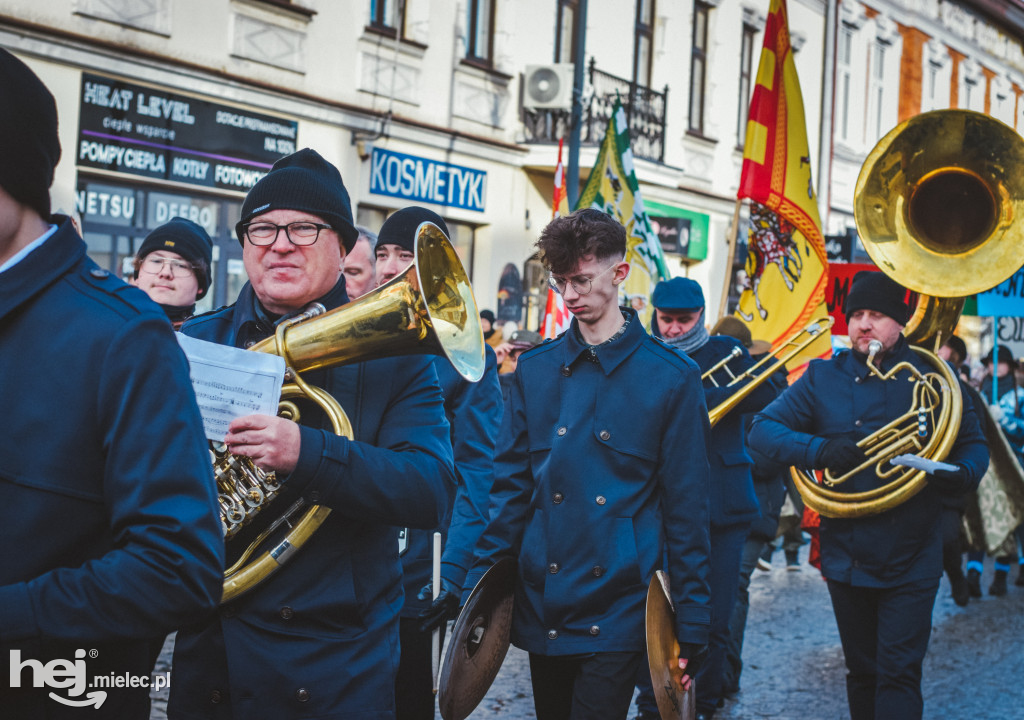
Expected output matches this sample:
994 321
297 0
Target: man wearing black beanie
173 267
103 446
396 242
319 638
882 569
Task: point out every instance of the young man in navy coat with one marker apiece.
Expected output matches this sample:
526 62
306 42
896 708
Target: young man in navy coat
473 410
319 638
882 570
107 501
679 322
602 475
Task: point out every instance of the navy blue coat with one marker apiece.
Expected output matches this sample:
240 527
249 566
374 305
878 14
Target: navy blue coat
108 506
733 500
320 637
474 414
603 472
841 398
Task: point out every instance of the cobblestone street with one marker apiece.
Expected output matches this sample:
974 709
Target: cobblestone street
794 664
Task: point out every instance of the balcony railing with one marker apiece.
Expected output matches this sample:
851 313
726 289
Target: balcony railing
644 108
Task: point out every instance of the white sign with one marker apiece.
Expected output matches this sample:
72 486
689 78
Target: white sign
230 383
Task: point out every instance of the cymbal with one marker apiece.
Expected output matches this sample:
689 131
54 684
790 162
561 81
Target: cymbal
479 642
663 654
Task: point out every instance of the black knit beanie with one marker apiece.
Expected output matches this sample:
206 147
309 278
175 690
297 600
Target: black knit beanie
187 239
871 290
400 228
302 181
28 144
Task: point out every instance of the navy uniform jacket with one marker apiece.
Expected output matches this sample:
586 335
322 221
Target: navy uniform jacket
474 414
841 398
108 507
603 471
733 500
320 638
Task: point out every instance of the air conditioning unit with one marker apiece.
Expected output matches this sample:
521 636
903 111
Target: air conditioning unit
548 86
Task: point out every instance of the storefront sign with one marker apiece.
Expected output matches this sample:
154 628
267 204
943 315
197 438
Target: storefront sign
1006 298
421 180
138 130
107 204
161 207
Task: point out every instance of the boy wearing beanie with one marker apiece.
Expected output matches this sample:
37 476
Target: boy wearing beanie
883 570
103 447
474 413
173 267
318 638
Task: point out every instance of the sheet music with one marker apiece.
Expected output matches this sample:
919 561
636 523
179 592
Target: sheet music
230 383
919 463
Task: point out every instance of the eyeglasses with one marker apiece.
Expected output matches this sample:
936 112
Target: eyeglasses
155 265
298 233
582 285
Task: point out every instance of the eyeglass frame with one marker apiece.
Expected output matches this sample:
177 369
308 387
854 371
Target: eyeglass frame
553 284
191 267
320 227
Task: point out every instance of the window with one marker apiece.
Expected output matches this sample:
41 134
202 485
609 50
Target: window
746 68
844 51
480 31
876 91
565 39
698 66
643 41
388 16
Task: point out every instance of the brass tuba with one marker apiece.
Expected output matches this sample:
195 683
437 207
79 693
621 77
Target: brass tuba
937 205
428 309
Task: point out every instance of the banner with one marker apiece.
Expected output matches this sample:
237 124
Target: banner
786 268
613 188
556 318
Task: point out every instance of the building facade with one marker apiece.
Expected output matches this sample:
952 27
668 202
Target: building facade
176 107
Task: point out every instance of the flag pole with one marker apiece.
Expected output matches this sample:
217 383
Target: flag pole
733 229
573 174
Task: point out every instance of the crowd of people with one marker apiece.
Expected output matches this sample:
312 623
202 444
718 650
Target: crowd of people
593 459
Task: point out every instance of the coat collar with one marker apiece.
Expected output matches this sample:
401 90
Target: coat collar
251 320
42 267
609 355
857 361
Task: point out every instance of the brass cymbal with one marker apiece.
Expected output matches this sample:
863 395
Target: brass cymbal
938 203
479 642
663 654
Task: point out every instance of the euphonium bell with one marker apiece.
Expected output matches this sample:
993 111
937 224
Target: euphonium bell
428 309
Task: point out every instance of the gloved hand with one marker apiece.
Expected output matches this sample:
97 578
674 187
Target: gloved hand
840 455
441 610
695 655
949 481
996 412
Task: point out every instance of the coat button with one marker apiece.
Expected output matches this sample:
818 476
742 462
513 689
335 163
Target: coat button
598 571
595 630
98 273
553 568
566 371
562 430
215 697
287 613
858 423
557 498
600 500
552 634
605 435
302 695
857 380
249 343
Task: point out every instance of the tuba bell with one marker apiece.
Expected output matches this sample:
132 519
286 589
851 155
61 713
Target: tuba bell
428 309
937 205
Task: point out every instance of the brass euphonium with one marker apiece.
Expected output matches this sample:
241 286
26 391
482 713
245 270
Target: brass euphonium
428 309
937 205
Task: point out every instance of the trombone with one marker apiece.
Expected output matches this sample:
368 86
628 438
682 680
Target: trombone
786 351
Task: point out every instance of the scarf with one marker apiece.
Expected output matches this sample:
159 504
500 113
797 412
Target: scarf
690 341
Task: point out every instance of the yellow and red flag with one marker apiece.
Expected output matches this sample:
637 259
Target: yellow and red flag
556 317
787 267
